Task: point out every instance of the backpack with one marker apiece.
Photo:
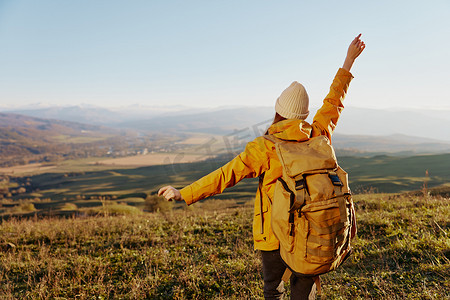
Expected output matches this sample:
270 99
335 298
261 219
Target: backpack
313 215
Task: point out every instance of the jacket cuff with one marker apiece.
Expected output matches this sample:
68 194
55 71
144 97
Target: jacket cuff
344 72
186 193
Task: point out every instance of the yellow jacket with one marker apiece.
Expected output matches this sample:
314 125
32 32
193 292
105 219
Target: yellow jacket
260 157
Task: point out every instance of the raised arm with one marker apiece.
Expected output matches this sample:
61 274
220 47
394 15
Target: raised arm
354 50
327 116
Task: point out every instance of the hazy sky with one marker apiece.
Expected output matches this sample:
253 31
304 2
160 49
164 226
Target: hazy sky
215 53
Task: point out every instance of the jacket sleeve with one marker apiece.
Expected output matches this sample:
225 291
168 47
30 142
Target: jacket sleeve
250 163
327 116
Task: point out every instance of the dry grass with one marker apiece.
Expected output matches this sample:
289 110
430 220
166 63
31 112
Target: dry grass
402 252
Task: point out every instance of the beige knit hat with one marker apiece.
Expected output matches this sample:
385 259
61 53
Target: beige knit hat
293 102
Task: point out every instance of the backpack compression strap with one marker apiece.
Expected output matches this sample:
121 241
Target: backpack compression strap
338 185
261 178
297 200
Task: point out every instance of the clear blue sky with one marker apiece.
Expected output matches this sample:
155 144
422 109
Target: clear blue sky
216 53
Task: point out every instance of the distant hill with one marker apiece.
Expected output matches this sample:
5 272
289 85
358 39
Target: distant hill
26 139
99 115
223 121
432 124
79 114
22 123
395 143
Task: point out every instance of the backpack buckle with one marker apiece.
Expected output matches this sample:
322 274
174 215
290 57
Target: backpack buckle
300 184
335 179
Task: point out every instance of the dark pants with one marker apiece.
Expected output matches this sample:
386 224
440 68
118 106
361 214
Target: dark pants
273 269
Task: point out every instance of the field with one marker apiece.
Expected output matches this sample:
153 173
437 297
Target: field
205 252
84 183
26 169
152 159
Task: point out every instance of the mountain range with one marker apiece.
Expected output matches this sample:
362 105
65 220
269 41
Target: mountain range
425 123
359 129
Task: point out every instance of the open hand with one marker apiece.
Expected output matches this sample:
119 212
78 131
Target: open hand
170 193
354 50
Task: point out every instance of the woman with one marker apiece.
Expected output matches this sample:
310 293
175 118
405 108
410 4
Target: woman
260 158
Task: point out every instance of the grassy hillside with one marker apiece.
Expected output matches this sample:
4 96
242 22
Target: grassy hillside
396 174
205 252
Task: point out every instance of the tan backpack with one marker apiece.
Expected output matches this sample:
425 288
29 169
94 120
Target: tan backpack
313 215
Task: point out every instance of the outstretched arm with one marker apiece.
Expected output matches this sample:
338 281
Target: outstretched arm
354 50
249 164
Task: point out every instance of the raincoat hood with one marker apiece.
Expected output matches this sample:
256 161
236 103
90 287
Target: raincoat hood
291 130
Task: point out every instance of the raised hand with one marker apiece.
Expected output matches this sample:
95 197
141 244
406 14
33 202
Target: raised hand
354 50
